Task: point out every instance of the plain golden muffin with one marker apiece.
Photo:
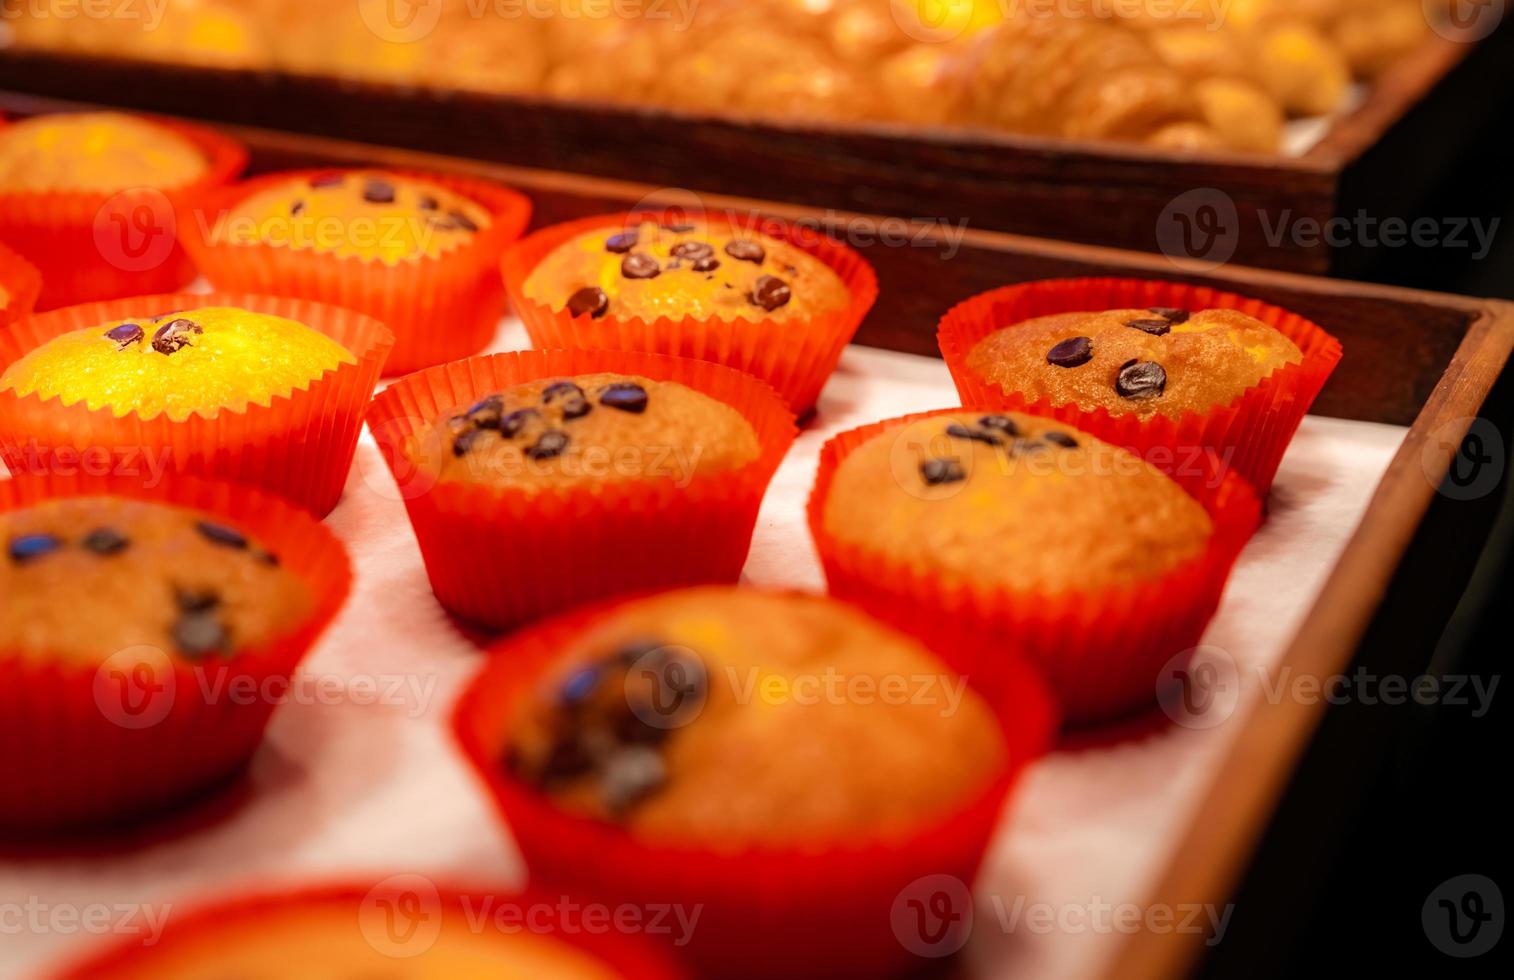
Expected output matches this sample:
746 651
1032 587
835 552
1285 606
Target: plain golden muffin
1148 362
102 152
87 577
702 716
1012 501
305 941
587 430
179 362
372 215
686 270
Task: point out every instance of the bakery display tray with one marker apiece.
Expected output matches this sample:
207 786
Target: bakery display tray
1358 564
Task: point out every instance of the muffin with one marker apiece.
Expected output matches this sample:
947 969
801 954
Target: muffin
128 612
764 297
403 928
1186 369
735 750
20 284
418 252
92 199
994 535
614 471
263 391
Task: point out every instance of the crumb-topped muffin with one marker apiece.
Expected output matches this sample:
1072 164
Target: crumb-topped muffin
1012 501
692 269
85 578
1143 361
95 151
371 215
177 363
587 430
686 717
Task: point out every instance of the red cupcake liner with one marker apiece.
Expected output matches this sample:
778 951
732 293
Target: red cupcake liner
395 915
22 284
439 309
1102 651
93 246
1250 434
87 745
823 909
499 557
299 447
795 356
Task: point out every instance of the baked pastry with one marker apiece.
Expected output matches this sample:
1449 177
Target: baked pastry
1141 361
197 361
20 284
554 433
95 151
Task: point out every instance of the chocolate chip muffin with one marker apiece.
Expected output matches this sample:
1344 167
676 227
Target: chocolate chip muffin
94 151
1142 361
587 430
371 215
87 577
693 269
177 363
700 717
1012 501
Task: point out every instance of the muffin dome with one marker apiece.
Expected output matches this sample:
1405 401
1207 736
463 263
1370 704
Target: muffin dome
85 578
177 363
691 269
758 754
101 152
371 215
586 430
1139 361
1012 501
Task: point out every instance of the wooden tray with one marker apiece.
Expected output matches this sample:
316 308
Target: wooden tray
1428 361
1382 158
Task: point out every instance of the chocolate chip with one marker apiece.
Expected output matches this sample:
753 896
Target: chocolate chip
589 301
1154 327
125 335
328 180
428 203
1071 353
566 759
1141 379
196 602
174 335
1060 439
571 396
639 265
199 633
623 242
770 292
105 541
626 396
551 443
938 471
28 547
464 443
959 431
226 537
580 686
485 413
745 251
707 265
460 220
511 424
378 192
269 558
694 251
679 229
1169 313
630 776
296 208
1000 423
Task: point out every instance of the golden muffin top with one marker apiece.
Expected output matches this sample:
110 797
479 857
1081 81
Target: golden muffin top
587 430
372 215
180 362
101 152
85 578
1149 362
1013 501
692 269
724 716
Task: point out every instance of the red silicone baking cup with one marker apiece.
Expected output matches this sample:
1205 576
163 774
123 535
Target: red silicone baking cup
22 284
795 356
400 917
83 746
439 309
1104 652
822 909
299 446
500 557
95 246
1251 433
